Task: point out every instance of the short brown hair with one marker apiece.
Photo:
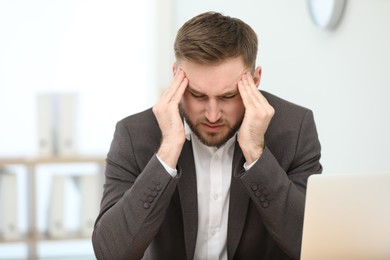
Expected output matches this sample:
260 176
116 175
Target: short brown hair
211 38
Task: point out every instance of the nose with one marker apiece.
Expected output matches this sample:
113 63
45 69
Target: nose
213 111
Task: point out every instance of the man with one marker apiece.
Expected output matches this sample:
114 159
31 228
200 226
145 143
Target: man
216 169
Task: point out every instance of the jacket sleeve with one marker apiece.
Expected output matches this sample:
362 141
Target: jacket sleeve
278 188
134 202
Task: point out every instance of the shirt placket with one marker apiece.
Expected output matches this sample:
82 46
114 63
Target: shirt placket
215 209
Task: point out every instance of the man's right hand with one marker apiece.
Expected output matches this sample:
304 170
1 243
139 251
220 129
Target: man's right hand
168 117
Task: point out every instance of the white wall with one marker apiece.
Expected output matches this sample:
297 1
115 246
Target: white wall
51 46
341 75
101 50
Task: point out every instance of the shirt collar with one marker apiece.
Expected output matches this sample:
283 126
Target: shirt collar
187 130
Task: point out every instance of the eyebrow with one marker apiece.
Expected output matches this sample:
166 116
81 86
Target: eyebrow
228 93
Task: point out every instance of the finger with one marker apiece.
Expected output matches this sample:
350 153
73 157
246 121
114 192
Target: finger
254 91
255 99
180 91
251 90
171 90
244 94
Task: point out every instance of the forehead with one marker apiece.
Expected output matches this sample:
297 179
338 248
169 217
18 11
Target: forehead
214 79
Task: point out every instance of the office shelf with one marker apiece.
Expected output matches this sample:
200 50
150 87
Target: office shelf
33 236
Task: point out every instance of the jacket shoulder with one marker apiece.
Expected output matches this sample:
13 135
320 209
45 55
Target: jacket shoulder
143 124
285 107
143 130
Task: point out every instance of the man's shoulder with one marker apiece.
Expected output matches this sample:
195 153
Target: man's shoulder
144 121
288 115
146 115
284 105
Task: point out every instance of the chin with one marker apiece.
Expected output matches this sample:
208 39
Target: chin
214 140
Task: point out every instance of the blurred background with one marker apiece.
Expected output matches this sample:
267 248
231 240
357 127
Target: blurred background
110 59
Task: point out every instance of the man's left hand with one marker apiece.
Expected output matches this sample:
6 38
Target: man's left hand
258 115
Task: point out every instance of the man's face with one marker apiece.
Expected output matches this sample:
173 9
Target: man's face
212 104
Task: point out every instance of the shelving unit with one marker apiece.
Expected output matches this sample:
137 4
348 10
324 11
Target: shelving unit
33 236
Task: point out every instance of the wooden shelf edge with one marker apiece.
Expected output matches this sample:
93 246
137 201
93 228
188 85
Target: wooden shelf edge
52 160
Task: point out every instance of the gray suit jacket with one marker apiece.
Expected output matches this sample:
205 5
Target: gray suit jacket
145 213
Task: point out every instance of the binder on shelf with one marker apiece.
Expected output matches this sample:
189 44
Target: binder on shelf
67 124
56 114
56 218
9 226
46 127
90 203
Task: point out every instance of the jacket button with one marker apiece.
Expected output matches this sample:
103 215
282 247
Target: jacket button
257 194
158 186
265 204
254 186
154 193
150 198
146 205
262 198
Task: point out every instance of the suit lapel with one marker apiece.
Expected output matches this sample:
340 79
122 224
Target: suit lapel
188 198
238 205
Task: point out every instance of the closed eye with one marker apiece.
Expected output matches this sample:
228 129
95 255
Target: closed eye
229 95
197 95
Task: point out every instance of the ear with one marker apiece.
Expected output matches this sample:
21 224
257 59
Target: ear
174 68
257 76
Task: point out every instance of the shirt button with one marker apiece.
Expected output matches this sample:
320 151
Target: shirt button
215 196
212 233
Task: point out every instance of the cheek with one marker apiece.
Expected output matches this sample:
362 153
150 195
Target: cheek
190 105
235 110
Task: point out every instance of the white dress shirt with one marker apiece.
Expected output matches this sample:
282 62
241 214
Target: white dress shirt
213 177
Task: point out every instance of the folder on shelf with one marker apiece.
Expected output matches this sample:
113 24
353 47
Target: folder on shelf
56 123
9 226
56 218
67 124
90 202
46 124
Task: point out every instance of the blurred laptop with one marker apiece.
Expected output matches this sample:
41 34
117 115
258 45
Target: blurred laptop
347 217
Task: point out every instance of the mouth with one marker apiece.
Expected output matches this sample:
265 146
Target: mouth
212 127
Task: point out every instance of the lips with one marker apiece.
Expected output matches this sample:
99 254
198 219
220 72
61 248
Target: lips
212 127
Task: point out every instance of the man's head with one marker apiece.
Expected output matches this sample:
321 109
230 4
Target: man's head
214 51
210 38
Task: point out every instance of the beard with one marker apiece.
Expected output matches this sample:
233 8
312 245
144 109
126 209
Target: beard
211 139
